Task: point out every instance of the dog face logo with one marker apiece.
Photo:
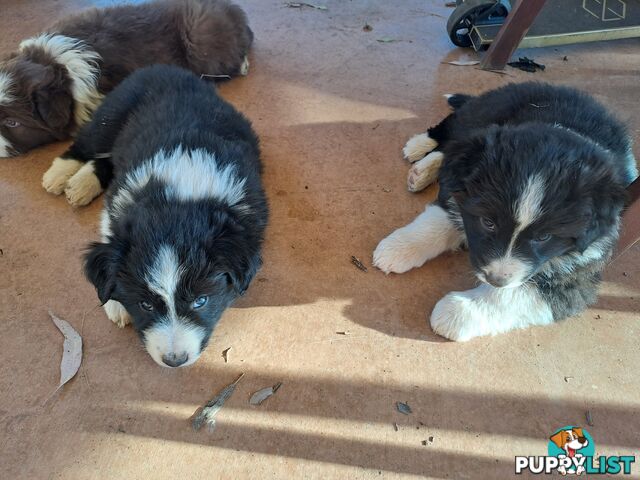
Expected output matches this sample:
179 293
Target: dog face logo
570 440
571 443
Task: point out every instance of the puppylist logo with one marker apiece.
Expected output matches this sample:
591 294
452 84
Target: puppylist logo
572 452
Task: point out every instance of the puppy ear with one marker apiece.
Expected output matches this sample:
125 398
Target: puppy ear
230 250
578 431
461 158
101 264
604 207
50 94
558 439
242 276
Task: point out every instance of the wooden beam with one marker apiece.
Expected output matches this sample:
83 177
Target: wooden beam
511 34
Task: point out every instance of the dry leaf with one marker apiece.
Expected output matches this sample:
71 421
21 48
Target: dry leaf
72 354
463 63
225 354
207 414
261 395
403 408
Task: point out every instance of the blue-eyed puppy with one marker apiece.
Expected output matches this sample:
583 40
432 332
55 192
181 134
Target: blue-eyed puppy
184 214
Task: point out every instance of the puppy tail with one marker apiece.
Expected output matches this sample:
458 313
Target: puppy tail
456 100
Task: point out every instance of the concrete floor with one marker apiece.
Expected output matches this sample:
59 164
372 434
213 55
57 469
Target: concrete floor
333 107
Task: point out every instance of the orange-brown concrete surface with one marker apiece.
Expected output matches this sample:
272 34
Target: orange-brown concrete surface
333 106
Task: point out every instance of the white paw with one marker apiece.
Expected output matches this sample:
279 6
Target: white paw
456 317
117 313
244 68
430 234
418 146
55 179
424 172
398 254
83 187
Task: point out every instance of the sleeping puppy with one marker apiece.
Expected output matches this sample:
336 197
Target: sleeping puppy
184 216
532 179
54 82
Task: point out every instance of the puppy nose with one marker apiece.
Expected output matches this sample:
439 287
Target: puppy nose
173 360
498 279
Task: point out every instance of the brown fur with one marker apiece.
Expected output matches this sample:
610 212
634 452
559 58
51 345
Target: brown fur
206 36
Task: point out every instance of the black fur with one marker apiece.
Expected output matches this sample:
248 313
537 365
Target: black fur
154 112
495 143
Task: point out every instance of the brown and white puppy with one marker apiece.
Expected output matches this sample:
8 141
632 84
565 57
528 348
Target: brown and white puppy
54 82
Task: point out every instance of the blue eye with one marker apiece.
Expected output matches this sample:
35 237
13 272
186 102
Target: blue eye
146 306
199 302
542 238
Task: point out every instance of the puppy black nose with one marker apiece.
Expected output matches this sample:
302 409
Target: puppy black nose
498 279
173 360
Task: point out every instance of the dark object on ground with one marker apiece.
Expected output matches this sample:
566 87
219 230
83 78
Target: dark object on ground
403 408
527 65
356 261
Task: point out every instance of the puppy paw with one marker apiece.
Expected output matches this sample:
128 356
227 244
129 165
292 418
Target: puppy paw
117 313
424 172
418 146
395 255
61 170
244 68
83 187
455 317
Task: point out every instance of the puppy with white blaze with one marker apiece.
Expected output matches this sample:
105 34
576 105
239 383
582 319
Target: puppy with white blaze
185 213
532 179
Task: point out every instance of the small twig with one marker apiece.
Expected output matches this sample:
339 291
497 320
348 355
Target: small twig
356 261
589 418
304 4
207 75
538 106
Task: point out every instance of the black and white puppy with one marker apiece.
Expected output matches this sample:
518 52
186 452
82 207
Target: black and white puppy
532 179
184 216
